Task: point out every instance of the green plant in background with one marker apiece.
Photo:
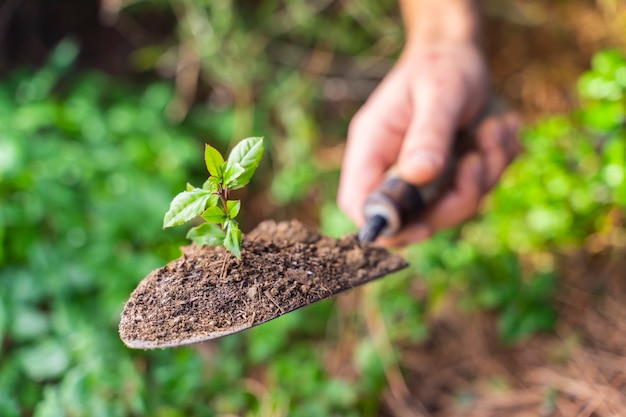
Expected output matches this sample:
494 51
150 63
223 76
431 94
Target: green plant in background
77 177
562 189
212 200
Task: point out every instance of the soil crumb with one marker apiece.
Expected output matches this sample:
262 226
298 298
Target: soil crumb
208 293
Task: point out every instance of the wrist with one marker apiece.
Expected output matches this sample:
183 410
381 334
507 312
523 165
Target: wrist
436 21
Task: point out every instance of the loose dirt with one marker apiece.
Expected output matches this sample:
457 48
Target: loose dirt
208 293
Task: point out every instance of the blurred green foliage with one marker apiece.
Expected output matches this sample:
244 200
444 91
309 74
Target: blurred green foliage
88 166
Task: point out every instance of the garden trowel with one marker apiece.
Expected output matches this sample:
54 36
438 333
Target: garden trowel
208 293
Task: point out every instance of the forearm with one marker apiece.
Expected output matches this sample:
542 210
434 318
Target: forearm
440 20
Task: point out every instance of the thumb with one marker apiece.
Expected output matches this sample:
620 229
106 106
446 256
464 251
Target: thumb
425 149
430 134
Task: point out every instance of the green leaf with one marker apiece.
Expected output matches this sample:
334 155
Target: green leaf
29 323
233 208
207 234
214 161
215 214
213 200
608 62
185 206
232 241
212 184
232 172
248 153
51 405
47 359
190 187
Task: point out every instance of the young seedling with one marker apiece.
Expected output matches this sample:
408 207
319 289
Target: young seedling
211 201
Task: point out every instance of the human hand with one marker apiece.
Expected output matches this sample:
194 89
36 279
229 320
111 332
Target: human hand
411 120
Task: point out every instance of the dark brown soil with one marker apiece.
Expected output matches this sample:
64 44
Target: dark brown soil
208 293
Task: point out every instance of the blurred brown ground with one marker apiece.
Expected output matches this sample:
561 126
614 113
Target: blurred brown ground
538 49
463 370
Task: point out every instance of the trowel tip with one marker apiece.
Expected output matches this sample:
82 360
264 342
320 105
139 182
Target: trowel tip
372 229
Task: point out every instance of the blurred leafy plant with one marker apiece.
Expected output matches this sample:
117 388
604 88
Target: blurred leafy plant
572 177
211 201
77 177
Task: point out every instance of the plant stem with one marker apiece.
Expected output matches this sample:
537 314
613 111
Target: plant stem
223 200
223 193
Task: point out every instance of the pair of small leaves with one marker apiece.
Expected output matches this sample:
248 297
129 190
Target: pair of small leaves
227 173
214 235
217 214
191 203
241 165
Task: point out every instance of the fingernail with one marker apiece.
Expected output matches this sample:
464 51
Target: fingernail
426 159
423 166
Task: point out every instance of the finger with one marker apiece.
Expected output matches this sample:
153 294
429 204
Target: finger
413 233
491 144
463 200
428 140
373 144
497 141
513 123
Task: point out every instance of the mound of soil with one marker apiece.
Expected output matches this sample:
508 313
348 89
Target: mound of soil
208 293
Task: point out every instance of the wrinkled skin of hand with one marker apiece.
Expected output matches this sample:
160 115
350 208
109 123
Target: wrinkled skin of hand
410 122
